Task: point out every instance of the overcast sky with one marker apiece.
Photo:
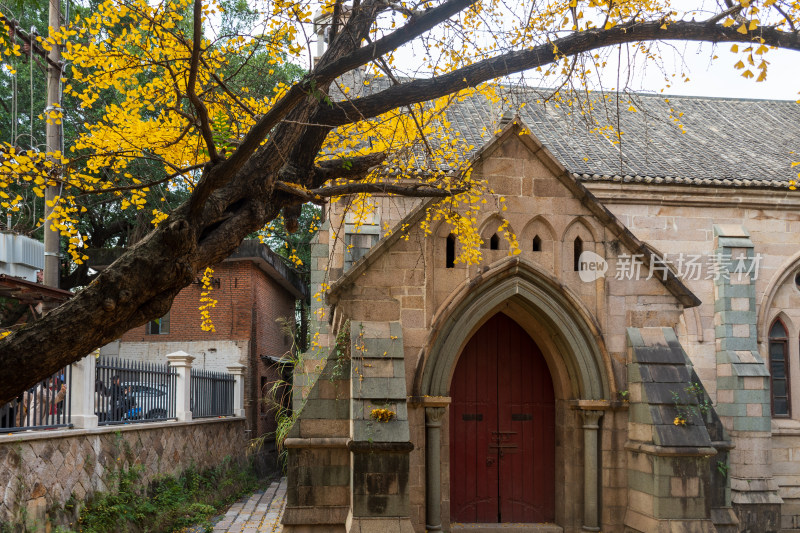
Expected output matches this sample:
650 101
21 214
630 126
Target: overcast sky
719 78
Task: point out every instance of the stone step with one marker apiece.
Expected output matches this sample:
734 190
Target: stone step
514 527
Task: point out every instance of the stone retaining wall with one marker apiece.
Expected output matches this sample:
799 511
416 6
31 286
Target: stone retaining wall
42 470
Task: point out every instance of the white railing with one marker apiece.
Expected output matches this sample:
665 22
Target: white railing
89 402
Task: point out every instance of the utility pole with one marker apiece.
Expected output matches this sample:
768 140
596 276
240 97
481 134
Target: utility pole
54 132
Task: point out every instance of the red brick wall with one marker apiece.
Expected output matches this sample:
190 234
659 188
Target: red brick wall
273 302
248 303
232 316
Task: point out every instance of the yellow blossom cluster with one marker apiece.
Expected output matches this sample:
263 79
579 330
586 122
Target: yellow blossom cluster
382 415
207 303
130 59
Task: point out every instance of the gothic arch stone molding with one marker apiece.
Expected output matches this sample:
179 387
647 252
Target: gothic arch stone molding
490 227
578 361
538 225
580 225
573 329
787 272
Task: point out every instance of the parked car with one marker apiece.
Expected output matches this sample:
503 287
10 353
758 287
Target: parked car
151 401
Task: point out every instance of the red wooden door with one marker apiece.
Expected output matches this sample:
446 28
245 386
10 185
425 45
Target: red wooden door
502 429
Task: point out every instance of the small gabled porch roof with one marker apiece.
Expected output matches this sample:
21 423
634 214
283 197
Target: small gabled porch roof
518 128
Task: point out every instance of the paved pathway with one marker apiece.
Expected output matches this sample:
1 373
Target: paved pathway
261 513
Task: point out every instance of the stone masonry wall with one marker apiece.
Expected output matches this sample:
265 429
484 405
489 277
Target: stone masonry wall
42 470
675 221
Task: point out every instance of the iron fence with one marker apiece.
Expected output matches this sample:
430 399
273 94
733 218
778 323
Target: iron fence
134 391
45 406
211 394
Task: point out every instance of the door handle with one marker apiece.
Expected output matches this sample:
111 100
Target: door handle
489 461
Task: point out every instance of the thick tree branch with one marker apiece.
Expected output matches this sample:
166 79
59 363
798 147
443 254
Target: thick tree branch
353 168
731 11
414 28
302 195
240 194
415 190
517 61
333 63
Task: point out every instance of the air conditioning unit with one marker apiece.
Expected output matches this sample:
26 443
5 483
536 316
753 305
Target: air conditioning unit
20 256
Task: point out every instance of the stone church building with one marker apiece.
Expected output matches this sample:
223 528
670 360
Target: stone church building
635 368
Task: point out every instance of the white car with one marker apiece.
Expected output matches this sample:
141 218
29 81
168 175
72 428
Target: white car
151 401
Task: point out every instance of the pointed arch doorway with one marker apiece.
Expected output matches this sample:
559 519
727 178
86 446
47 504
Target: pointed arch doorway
502 428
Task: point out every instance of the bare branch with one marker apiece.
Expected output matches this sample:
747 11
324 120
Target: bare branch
731 11
144 185
35 47
228 91
199 106
381 62
786 16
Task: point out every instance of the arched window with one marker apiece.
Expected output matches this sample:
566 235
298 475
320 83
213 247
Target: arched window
450 252
537 244
494 242
779 369
577 250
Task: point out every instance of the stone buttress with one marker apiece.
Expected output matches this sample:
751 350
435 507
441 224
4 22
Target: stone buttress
318 461
668 448
380 442
743 384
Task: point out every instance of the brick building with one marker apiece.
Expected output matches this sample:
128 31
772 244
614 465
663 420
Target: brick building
253 289
636 367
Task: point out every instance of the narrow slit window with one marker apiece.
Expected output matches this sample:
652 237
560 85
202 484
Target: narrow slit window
537 244
450 252
494 242
577 250
779 369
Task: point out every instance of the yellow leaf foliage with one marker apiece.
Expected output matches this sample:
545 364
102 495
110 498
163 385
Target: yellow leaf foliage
130 60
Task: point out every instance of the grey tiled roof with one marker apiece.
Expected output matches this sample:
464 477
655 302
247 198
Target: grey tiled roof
727 142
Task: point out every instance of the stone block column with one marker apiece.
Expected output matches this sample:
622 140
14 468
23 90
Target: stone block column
743 397
318 459
82 394
237 371
379 448
591 469
434 413
182 362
